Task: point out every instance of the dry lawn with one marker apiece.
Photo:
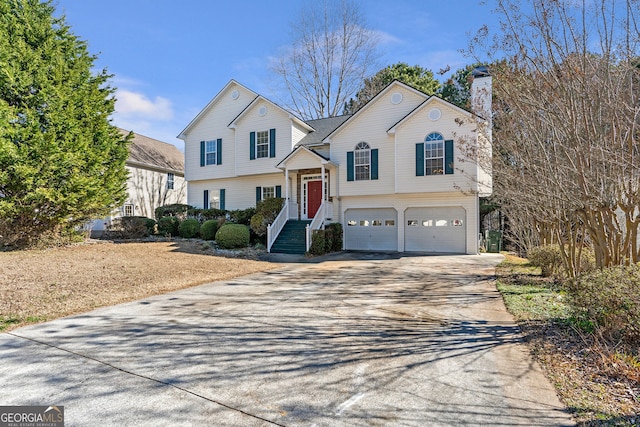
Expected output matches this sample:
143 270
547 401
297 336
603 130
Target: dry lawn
39 285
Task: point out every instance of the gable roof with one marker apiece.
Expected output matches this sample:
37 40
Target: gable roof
302 148
428 101
373 100
259 98
323 127
197 118
154 154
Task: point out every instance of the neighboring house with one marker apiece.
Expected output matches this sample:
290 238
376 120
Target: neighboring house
396 174
156 178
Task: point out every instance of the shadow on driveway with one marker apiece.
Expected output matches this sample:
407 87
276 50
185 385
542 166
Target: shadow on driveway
403 341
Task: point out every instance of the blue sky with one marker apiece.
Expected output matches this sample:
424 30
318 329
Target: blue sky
170 58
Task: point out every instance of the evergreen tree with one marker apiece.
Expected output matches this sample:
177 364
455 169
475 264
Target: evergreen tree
457 88
61 161
414 76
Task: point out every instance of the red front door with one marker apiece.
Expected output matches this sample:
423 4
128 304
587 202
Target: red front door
314 197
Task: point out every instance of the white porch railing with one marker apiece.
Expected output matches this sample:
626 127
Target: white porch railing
289 211
325 211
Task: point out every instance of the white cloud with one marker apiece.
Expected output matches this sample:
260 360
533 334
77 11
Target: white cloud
385 38
136 104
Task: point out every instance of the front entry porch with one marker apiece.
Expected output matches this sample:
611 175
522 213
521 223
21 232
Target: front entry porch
306 195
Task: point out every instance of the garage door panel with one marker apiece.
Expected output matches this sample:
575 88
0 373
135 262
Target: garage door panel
371 229
436 229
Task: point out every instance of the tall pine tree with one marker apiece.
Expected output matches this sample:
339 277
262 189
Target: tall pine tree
61 161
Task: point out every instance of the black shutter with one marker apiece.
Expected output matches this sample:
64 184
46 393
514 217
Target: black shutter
350 175
448 157
201 153
374 164
252 145
219 151
272 142
420 159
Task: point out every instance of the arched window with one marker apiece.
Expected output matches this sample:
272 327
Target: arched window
434 154
362 161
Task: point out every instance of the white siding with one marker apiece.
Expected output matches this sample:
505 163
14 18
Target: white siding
297 133
239 193
371 126
251 121
304 160
414 131
147 190
212 125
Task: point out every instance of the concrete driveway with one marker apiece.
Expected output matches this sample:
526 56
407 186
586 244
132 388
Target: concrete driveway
355 340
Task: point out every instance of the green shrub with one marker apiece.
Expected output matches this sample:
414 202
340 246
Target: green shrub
242 216
131 227
334 231
168 226
208 229
319 243
189 228
176 209
266 212
327 240
546 257
207 214
610 300
231 236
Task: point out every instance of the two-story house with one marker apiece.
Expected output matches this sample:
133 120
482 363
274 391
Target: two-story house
401 174
156 178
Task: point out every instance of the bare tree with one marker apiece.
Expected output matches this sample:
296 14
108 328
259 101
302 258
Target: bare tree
566 135
331 54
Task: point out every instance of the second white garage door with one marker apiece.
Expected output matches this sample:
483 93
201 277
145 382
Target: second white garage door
371 229
440 230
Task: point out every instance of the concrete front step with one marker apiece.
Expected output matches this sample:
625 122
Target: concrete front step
292 239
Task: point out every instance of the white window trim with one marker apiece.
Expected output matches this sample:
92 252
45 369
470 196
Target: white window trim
171 181
267 143
213 152
127 206
428 142
271 189
362 152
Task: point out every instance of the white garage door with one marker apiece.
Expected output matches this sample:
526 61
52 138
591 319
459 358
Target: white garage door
441 229
371 229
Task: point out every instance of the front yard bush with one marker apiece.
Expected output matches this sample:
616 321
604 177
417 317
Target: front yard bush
189 228
231 236
168 226
546 257
242 216
609 299
131 227
208 229
203 215
177 210
266 212
334 237
327 240
319 242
